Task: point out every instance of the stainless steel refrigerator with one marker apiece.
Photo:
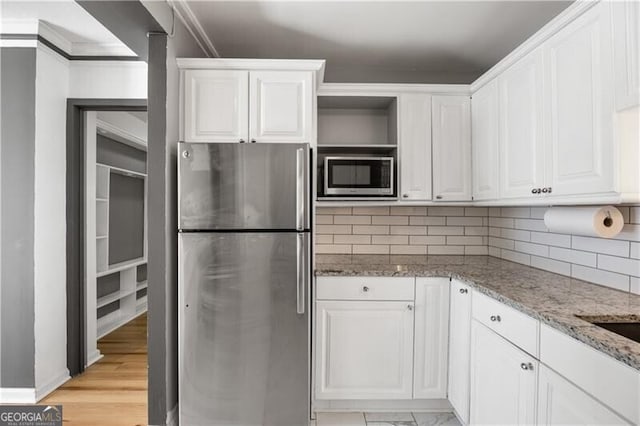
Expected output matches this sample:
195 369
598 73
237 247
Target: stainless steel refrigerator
244 273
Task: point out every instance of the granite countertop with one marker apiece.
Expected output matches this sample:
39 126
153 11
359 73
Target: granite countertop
553 299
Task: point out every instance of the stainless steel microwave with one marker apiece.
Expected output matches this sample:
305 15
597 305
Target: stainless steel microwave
358 176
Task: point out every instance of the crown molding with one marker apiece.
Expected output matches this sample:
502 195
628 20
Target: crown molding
54 37
185 14
390 89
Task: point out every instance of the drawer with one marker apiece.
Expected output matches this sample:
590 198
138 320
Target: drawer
520 329
606 379
365 288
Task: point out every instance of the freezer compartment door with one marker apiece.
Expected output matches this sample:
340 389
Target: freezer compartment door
243 186
244 329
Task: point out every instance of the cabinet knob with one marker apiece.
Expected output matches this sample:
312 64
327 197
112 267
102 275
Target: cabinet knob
438 197
545 190
410 307
526 366
186 154
549 190
464 291
405 195
241 140
365 288
495 318
536 190
253 141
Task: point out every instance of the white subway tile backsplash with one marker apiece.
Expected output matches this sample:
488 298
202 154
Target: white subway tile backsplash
573 256
601 245
515 256
445 249
390 239
409 230
390 220
619 264
551 265
370 249
408 211
371 229
558 240
371 211
427 220
517 234
515 212
352 239
446 230
464 221
529 248
445 211
427 240
351 220
598 276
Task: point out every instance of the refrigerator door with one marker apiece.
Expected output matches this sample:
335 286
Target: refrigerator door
231 186
244 329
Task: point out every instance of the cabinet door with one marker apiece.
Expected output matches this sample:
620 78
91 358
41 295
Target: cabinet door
415 147
521 138
459 348
626 52
484 142
281 106
431 338
451 121
216 106
364 350
503 380
579 106
560 402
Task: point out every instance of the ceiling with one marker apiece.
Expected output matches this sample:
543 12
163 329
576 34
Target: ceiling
377 41
66 18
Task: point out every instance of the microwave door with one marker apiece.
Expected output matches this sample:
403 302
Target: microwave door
358 176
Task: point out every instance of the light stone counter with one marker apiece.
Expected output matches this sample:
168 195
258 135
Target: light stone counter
553 299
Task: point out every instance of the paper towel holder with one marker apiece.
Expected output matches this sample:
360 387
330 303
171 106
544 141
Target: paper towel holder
608 221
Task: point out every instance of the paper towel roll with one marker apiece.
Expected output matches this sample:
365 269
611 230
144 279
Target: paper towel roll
591 221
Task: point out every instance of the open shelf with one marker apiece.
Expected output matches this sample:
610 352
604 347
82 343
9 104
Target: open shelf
116 267
112 297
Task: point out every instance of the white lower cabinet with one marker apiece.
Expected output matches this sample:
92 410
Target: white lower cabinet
364 349
431 338
503 380
560 402
459 341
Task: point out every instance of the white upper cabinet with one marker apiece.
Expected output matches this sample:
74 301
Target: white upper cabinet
216 106
364 349
521 130
281 106
503 380
579 106
431 338
626 50
484 141
415 147
451 121
459 348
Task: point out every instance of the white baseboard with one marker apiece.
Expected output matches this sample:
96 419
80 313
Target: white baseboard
172 416
417 405
93 357
53 384
17 395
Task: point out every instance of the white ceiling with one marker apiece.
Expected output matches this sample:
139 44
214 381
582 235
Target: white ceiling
377 41
84 34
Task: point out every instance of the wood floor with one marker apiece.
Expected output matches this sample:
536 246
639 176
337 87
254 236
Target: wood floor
113 391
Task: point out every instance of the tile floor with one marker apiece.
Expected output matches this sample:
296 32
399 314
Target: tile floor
387 419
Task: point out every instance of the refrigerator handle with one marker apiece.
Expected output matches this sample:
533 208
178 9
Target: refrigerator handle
300 189
300 273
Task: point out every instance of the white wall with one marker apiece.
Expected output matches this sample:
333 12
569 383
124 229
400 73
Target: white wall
50 221
56 80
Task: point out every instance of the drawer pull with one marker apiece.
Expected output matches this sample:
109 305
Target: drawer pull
464 291
410 307
495 318
365 289
526 366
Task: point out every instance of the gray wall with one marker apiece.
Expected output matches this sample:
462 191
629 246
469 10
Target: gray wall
17 111
114 153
